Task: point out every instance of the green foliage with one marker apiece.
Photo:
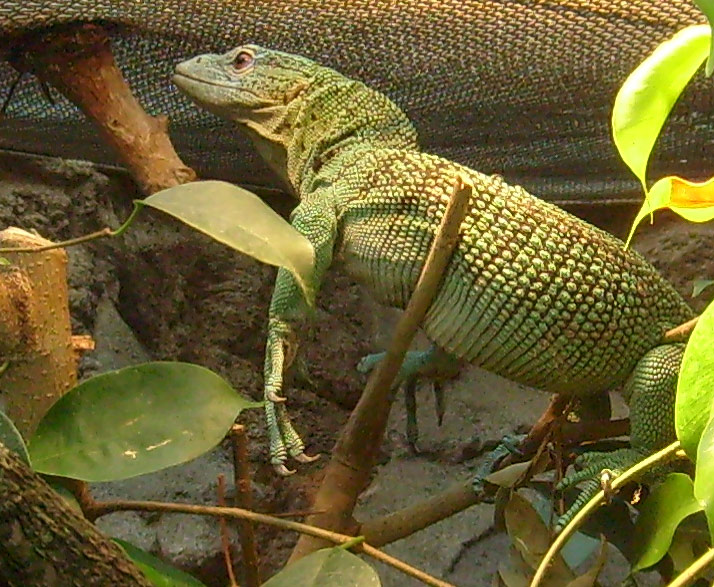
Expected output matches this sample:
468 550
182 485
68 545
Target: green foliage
703 486
646 98
700 285
660 515
11 438
695 388
65 494
328 567
241 220
526 524
134 421
707 7
155 570
641 108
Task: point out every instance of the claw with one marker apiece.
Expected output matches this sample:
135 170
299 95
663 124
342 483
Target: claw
282 470
270 395
303 458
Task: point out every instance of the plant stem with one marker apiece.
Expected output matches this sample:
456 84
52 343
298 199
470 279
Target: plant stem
80 239
599 498
689 574
241 479
108 507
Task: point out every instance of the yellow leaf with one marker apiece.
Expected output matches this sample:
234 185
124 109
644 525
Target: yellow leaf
691 200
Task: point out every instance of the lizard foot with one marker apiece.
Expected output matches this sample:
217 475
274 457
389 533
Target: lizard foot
434 365
508 446
284 440
592 466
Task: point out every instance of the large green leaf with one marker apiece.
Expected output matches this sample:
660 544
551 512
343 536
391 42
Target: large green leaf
695 387
329 567
241 220
11 438
707 7
661 513
646 98
155 570
134 421
703 486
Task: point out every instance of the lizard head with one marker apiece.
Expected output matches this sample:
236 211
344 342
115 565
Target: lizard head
249 85
297 113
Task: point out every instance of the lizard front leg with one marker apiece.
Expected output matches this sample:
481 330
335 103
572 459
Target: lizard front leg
316 220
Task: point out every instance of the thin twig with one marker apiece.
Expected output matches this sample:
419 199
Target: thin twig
599 499
406 521
689 574
102 508
104 232
241 479
68 243
297 514
225 536
356 450
680 332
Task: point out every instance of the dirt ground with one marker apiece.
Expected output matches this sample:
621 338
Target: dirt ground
163 291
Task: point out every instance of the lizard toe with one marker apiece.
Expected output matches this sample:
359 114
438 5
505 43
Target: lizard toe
282 470
305 458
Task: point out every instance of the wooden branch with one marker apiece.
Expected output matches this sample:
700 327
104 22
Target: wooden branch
681 332
402 523
44 542
77 60
355 452
41 360
244 499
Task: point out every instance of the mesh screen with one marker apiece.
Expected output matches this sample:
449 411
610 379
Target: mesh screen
520 88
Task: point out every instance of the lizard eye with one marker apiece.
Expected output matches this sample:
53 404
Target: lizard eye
243 61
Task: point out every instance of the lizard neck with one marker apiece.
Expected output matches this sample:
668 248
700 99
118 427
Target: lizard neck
334 119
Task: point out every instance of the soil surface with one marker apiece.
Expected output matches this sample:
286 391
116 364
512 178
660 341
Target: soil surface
163 291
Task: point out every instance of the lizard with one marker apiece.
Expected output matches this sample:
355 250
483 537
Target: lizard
531 293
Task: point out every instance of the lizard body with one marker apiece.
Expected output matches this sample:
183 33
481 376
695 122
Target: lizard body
531 293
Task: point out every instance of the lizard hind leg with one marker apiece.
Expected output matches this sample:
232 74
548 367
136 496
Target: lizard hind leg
650 392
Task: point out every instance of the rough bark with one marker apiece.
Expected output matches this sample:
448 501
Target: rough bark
77 60
35 328
44 542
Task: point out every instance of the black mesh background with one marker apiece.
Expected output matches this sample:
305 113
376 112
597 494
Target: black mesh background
520 88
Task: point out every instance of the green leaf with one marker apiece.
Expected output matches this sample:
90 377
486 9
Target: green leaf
704 473
646 98
65 494
661 513
241 220
329 567
11 438
4 261
159 573
695 387
134 421
700 285
707 7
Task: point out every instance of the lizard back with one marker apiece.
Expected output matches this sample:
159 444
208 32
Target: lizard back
532 292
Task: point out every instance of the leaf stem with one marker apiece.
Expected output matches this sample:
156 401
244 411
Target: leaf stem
104 232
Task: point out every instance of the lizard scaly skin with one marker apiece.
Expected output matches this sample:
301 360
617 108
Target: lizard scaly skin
531 293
